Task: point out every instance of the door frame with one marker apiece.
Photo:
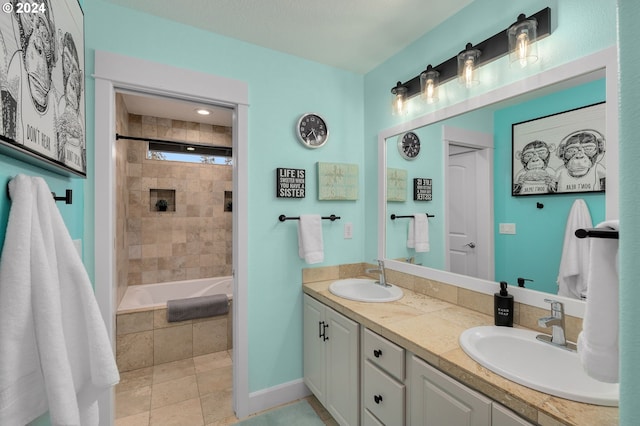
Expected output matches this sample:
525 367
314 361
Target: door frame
113 72
483 144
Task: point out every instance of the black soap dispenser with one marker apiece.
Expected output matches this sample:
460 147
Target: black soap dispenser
503 306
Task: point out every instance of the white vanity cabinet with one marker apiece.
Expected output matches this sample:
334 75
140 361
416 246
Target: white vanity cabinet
437 399
383 391
331 360
502 416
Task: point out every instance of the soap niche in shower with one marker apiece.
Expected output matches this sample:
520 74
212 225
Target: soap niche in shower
161 200
228 197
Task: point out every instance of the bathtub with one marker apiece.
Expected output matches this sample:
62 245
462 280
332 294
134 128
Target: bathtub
143 336
156 295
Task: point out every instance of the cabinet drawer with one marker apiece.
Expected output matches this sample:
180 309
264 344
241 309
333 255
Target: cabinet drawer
383 396
384 354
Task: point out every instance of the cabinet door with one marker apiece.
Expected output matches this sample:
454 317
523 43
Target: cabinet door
314 348
502 416
437 399
342 396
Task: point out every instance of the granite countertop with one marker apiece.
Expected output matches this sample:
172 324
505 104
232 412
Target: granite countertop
429 328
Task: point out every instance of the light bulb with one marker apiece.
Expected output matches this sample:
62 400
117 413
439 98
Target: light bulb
523 48
468 72
430 90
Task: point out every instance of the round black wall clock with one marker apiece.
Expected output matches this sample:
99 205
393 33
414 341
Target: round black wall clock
312 130
409 145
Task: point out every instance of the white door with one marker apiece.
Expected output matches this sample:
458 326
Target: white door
463 226
469 202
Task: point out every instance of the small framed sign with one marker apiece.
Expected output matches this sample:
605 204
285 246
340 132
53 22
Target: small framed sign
290 183
422 189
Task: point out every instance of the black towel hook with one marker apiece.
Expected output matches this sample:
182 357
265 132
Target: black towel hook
68 196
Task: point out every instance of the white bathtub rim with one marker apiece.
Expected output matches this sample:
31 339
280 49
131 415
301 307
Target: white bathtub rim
126 306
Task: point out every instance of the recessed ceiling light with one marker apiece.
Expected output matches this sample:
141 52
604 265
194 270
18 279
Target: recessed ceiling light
203 111
190 148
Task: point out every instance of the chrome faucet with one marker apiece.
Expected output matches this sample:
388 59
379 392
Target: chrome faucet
382 280
556 322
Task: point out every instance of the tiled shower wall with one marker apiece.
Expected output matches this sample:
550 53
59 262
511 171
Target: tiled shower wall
121 243
195 239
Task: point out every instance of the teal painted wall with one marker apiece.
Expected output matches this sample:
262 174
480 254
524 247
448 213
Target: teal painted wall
281 88
629 33
535 251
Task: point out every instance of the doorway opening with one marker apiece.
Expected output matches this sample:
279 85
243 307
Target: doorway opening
115 73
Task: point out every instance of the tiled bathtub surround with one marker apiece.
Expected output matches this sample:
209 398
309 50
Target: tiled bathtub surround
194 238
145 338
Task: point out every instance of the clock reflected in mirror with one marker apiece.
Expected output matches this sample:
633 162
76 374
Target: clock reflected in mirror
409 145
312 130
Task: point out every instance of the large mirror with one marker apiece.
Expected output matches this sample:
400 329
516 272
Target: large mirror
479 233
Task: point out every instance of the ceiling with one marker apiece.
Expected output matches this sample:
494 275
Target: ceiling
355 35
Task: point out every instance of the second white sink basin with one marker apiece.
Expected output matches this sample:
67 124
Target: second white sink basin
364 290
517 355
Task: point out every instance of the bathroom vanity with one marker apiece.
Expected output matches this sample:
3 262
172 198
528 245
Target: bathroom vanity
409 367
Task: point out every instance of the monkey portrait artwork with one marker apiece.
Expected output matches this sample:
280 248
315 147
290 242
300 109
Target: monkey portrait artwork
560 153
41 81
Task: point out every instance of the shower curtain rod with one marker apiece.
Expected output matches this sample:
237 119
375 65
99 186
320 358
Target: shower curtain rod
226 149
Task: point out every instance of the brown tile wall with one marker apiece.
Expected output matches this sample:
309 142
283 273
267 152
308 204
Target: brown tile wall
145 338
193 239
121 243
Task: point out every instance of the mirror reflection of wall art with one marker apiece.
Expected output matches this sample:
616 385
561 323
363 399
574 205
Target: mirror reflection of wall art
337 181
560 153
41 82
396 184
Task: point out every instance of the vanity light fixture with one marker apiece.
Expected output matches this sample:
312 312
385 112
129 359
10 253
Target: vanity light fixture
399 100
467 60
522 37
203 111
526 30
429 80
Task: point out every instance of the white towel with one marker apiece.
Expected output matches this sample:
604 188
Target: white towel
54 350
574 263
418 235
310 247
598 341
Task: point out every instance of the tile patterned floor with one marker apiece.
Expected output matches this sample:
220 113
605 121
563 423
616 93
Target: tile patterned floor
192 392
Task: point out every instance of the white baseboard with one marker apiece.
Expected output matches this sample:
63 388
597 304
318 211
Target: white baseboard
281 394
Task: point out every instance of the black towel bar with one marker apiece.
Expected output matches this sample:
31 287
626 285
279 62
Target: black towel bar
282 218
394 216
597 233
68 196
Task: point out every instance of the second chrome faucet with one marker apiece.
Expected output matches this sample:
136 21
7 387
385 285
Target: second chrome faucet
557 324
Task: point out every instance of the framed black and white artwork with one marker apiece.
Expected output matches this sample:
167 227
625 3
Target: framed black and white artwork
560 153
42 82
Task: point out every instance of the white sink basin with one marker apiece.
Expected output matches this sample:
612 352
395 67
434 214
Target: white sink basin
517 355
364 290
